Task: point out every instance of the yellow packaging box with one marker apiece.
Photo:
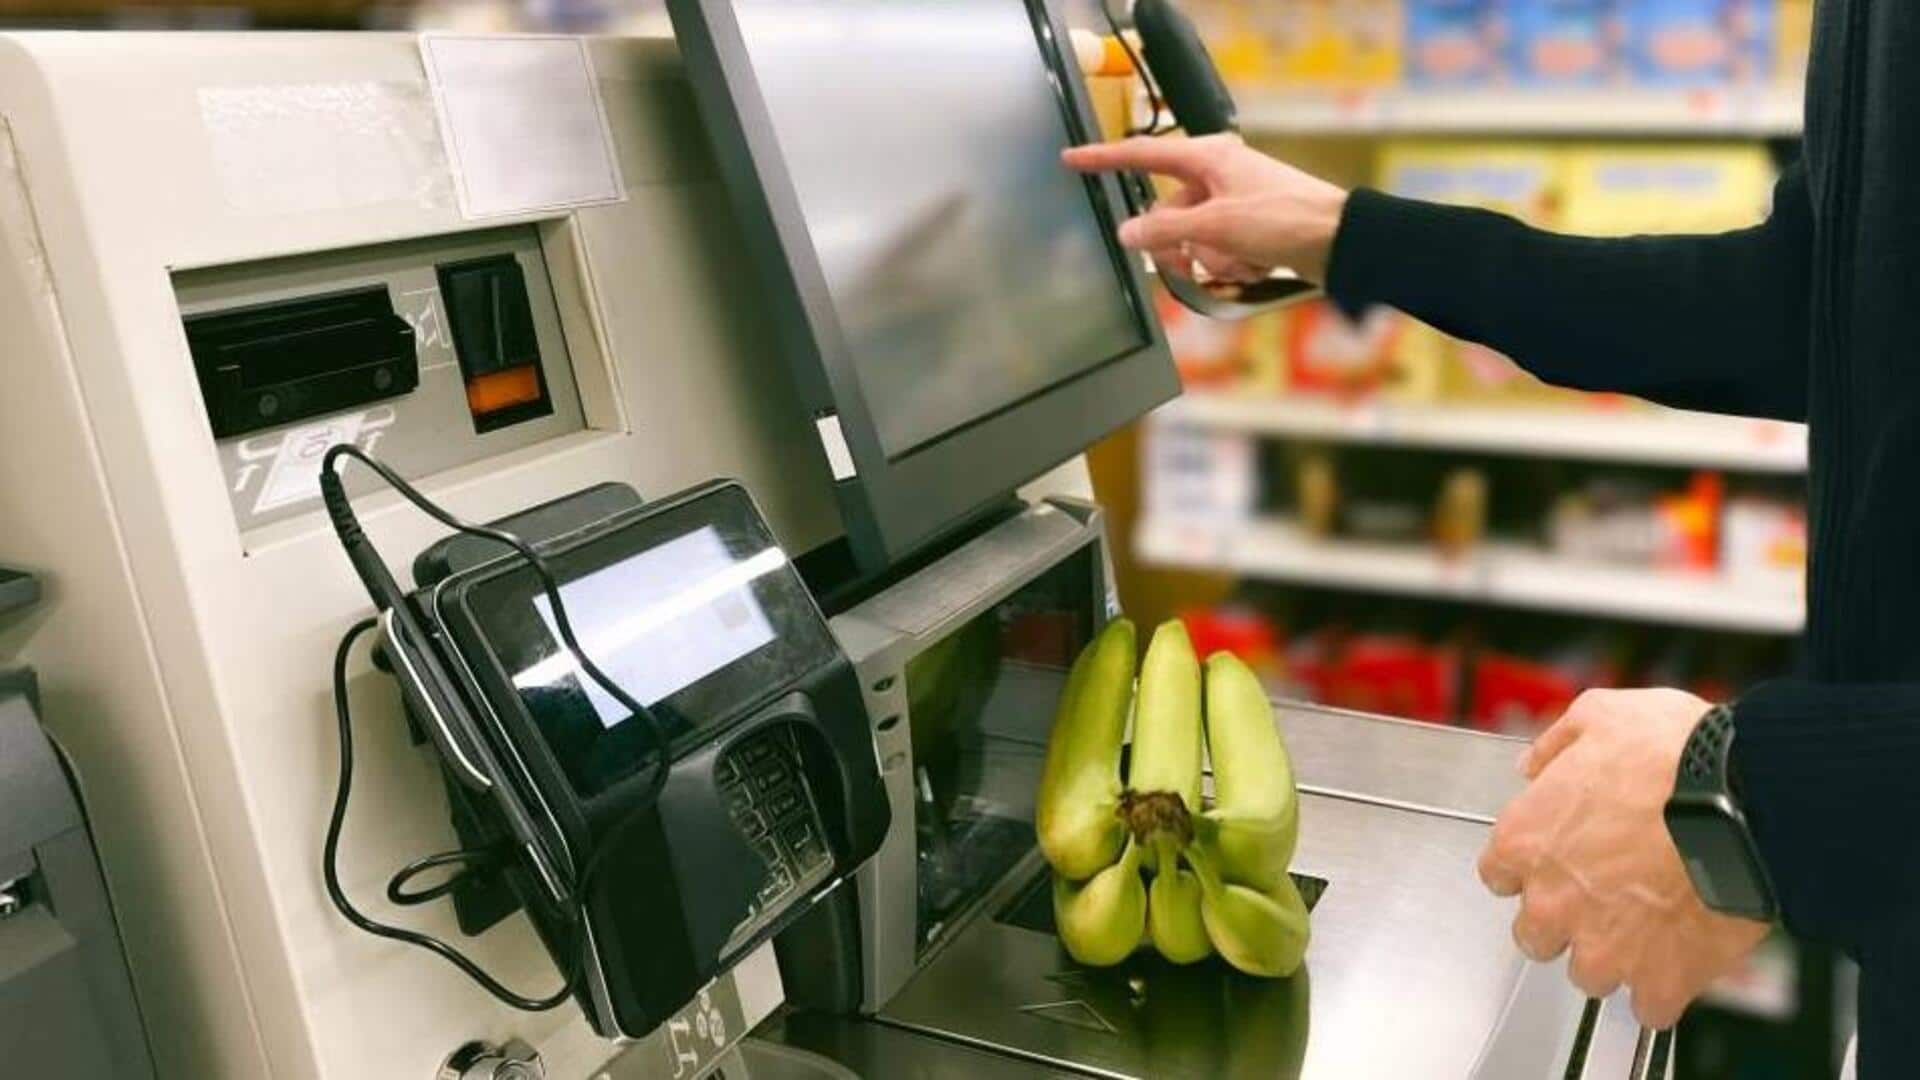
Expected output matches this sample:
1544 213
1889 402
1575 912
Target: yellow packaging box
1327 44
1522 179
1372 32
1794 41
1620 190
1240 50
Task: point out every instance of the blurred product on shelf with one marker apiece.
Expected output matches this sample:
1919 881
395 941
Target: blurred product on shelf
1202 480
1517 178
1699 42
1514 694
1460 512
1794 24
1406 503
1327 352
1505 673
1316 493
1612 522
1452 43
1625 189
1330 43
1466 45
1389 673
1763 541
1219 354
1560 43
1246 633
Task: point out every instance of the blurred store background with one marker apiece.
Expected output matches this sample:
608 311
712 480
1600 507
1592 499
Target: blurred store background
1392 520
1382 517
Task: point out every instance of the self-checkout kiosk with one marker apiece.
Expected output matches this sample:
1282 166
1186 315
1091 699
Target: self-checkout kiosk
799 441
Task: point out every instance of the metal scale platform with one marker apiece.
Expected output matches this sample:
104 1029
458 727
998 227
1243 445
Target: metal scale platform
1412 971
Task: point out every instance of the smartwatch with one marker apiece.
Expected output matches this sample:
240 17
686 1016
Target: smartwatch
1710 829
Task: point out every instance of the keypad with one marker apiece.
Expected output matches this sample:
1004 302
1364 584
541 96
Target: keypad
766 796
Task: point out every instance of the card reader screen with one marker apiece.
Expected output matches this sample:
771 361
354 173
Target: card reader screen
660 621
691 607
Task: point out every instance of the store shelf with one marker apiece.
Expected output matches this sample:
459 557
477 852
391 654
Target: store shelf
1710 111
1648 436
1499 574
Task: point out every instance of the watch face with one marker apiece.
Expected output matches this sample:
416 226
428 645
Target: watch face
1720 860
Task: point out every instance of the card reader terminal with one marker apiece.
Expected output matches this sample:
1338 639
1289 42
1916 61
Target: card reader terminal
772 793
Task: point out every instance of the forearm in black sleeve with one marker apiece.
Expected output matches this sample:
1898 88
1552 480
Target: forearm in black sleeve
1830 778
1714 322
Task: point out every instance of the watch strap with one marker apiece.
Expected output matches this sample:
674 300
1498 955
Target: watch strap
1706 761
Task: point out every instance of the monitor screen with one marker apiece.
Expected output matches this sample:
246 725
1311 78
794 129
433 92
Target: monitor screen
968 269
957 310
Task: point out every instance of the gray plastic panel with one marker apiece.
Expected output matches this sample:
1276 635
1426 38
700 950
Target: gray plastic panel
18 589
66 1000
36 804
46 1017
274 474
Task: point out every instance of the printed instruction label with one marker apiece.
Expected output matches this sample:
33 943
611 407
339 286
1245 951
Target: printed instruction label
294 473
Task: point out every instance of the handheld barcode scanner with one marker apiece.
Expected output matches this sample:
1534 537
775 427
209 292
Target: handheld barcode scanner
652 847
1182 74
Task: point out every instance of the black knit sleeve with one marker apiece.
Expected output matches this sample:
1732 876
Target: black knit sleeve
1829 776
1715 322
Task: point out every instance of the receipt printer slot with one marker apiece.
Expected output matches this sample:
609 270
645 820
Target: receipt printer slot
265 365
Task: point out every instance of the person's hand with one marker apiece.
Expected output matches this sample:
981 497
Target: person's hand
1586 849
1238 213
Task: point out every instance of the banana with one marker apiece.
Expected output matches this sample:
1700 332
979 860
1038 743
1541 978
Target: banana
1254 823
1264 934
1077 810
1104 919
1165 766
1173 908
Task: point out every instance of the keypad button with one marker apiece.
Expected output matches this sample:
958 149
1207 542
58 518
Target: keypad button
739 800
752 824
798 835
768 850
768 779
757 751
726 770
776 887
784 802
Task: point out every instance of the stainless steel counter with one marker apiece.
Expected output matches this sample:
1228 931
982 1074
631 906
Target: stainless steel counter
1425 767
1411 974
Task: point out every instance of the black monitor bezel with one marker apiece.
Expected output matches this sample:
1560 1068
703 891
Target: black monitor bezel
892 507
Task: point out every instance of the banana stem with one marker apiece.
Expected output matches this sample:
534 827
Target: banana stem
1204 869
1166 851
1149 814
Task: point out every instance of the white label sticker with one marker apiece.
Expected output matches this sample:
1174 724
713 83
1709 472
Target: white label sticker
524 125
315 147
839 455
294 475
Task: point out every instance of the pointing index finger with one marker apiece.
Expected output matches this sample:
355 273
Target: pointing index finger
1178 158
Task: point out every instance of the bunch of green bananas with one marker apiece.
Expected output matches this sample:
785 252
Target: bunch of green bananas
1219 872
